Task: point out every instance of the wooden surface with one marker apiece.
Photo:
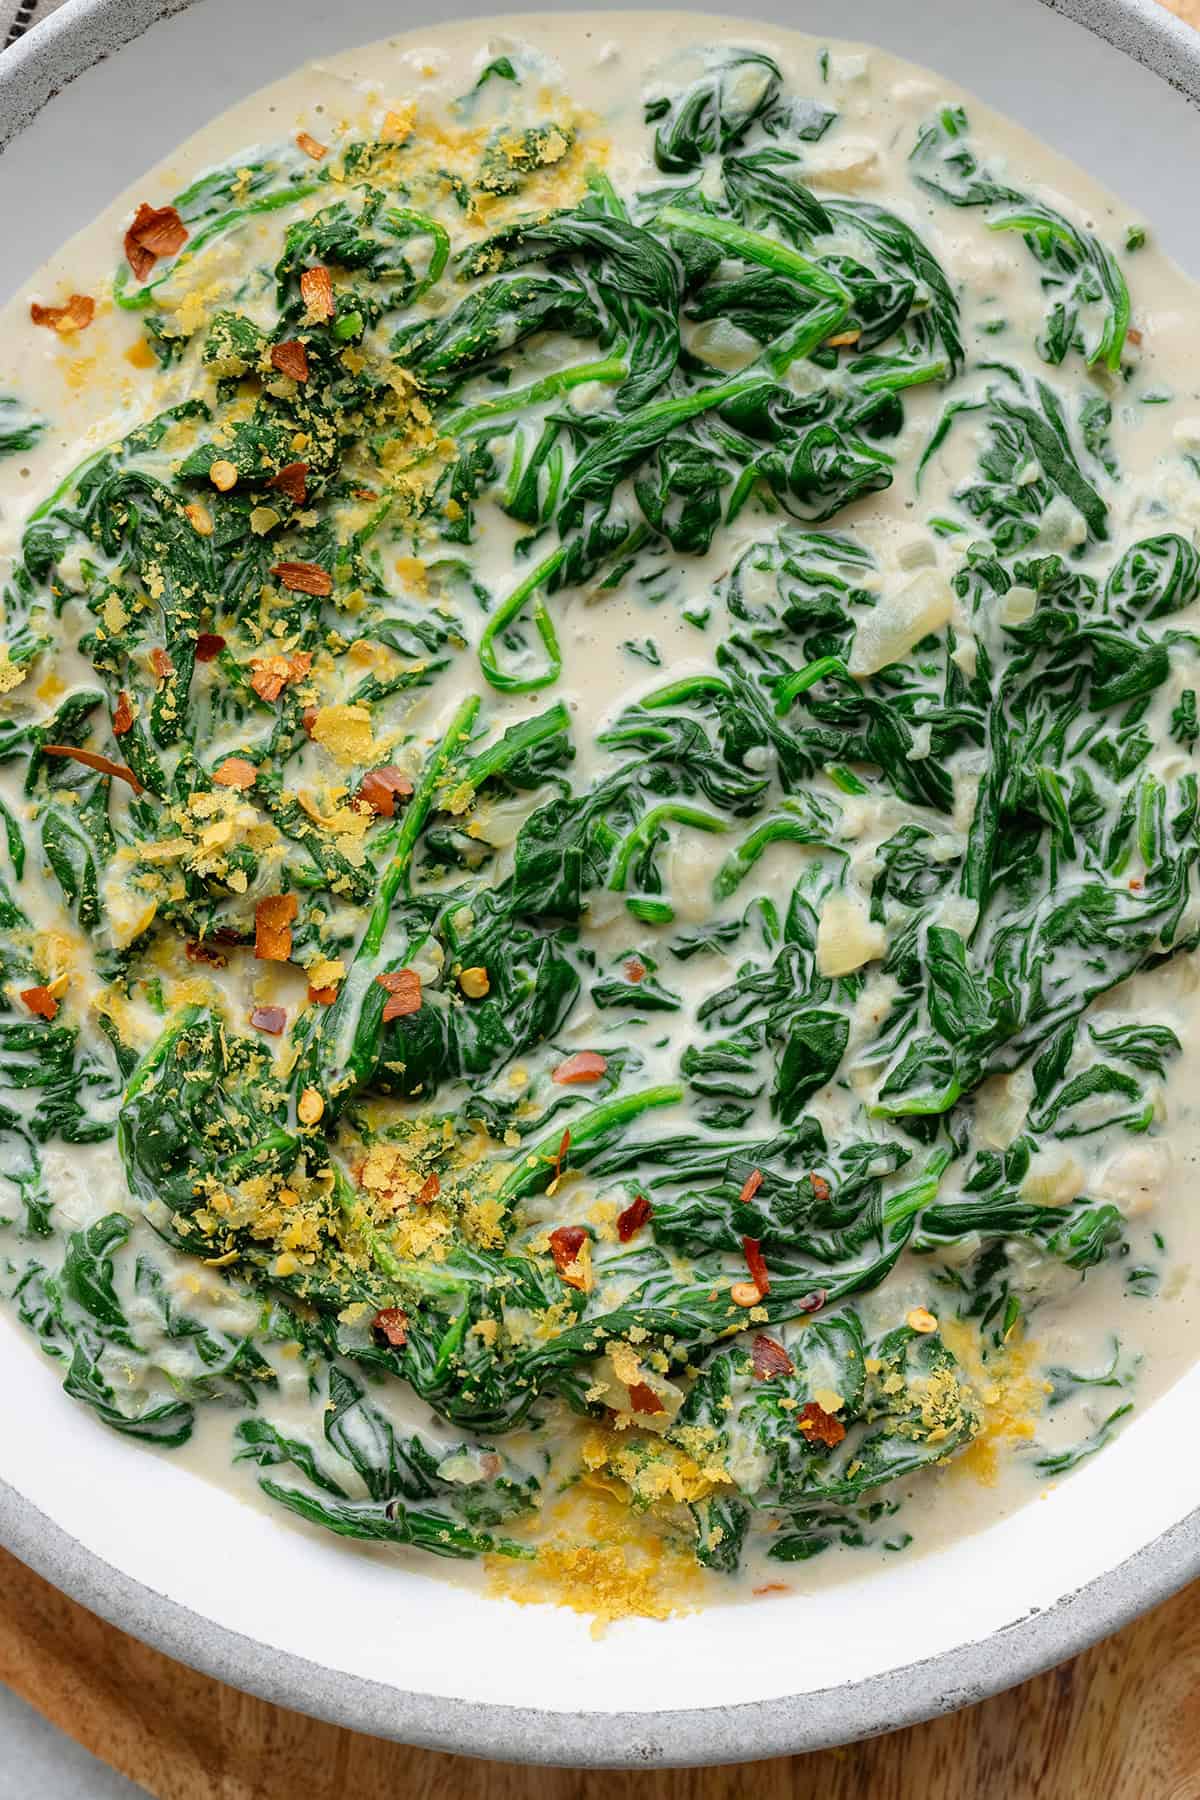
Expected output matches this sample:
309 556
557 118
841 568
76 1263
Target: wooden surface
1121 1722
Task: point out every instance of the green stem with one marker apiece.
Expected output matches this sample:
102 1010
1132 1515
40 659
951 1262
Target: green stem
671 811
738 864
684 691
667 413
891 381
805 336
844 778
503 618
920 1105
159 1050
415 815
352 1024
467 418
1039 219
420 225
270 203
634 436
542 1156
68 484
799 683
599 184
234 1167
753 246
470 418
514 743
908 1201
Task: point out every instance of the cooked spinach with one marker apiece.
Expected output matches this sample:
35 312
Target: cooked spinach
647 1073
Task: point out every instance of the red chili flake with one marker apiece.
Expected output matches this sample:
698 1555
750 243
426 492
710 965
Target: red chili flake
159 230
290 359
316 291
270 1019
271 674
122 719
140 261
304 578
585 1065
772 1587
430 1191
204 953
643 1399
91 760
322 996
756 1265
635 969
209 646
1133 335
564 1144
819 1426
292 480
571 1246
311 146
273 917
770 1359
566 1241
633 1218
161 663
76 315
811 1303
750 1187
390 1326
41 1001
236 772
820 1187
156 231
403 993
381 788
308 718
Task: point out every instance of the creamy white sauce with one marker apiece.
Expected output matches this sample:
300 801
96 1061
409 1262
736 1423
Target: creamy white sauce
91 391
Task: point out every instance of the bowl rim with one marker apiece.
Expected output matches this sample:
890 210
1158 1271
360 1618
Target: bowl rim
33 71
753 1731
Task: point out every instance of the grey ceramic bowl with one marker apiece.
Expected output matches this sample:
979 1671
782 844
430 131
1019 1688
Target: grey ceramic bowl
88 100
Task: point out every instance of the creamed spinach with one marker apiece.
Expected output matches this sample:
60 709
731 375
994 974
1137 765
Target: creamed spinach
679 1057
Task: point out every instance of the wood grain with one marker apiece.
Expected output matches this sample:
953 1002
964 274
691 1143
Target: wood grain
1122 1721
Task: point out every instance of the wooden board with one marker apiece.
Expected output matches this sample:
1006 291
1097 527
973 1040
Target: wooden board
1122 1721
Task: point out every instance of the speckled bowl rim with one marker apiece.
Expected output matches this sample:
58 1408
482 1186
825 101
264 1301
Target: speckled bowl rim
36 68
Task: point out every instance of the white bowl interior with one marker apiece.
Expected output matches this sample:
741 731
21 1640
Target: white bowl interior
238 1567
317 1599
